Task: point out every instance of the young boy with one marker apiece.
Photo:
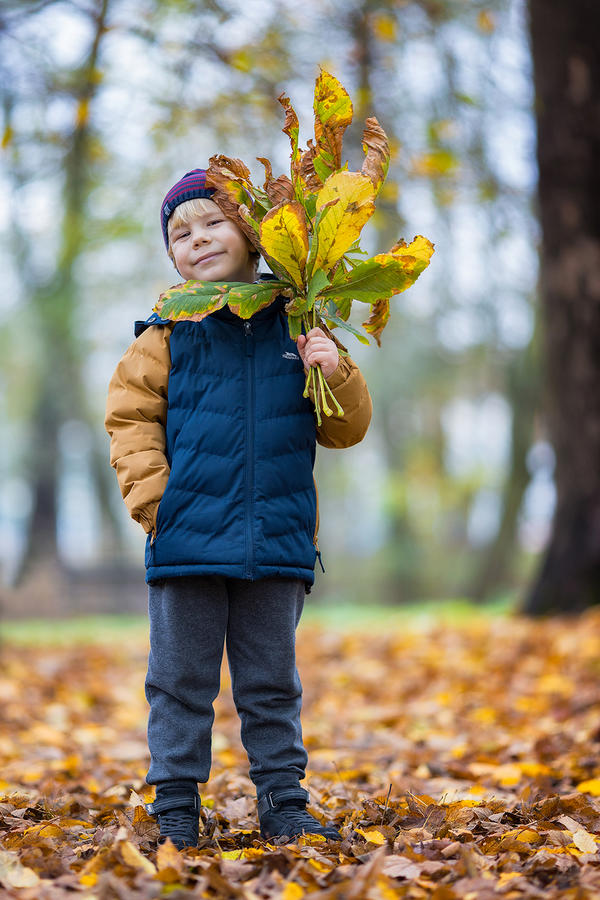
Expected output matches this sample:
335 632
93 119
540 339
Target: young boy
214 446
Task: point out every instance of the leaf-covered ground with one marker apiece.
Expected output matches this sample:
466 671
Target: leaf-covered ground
458 761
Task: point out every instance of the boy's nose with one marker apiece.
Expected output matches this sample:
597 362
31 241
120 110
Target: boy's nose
200 235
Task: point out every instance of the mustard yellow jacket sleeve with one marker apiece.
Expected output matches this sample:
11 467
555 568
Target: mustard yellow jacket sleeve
351 392
136 415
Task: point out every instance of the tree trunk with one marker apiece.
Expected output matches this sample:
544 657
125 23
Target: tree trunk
60 391
566 60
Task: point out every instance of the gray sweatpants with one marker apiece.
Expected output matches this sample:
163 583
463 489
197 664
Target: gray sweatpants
190 620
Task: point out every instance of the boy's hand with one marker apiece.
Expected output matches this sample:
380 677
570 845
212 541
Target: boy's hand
315 348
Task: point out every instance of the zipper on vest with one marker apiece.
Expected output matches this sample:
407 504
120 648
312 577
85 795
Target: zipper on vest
249 472
319 556
315 541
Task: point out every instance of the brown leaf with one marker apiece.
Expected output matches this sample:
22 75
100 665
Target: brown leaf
377 149
276 189
400 867
378 319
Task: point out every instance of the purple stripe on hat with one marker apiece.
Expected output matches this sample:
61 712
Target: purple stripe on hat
190 187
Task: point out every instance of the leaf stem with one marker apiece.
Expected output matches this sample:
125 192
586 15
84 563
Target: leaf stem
326 408
340 410
316 393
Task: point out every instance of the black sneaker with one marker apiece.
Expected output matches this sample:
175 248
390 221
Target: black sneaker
282 814
177 808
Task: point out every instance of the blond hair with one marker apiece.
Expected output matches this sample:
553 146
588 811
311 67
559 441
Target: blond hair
189 210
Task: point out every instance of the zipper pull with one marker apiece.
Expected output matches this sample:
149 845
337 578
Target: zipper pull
320 560
249 341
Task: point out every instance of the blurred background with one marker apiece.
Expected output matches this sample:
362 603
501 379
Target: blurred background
476 388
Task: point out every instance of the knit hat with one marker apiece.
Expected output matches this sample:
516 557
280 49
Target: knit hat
192 185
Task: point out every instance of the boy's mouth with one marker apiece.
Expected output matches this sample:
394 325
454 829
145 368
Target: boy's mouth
208 257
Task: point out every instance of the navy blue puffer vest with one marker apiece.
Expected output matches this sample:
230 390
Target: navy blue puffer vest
240 500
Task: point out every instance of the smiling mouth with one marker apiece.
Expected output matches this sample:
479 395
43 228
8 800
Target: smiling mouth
208 258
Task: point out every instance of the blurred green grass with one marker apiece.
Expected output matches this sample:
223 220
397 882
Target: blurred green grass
331 616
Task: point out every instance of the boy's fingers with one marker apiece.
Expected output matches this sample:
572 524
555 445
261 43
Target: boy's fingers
314 332
318 341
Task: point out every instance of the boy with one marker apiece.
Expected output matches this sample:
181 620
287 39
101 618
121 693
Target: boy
214 445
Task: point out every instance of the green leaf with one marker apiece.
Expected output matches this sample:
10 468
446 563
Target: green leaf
246 299
316 284
370 281
341 309
192 301
297 307
345 325
295 326
385 274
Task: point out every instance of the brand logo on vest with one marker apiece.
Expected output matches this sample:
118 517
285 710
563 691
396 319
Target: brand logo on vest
288 355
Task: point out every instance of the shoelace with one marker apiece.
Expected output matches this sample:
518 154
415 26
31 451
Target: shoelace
298 817
179 823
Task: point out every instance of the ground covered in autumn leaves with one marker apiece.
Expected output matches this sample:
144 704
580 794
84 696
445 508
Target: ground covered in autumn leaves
458 761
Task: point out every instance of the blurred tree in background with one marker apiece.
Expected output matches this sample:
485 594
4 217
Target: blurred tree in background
567 77
105 104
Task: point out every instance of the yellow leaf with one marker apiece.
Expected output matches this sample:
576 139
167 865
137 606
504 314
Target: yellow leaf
45 829
242 60
420 248
333 114
585 841
132 856
533 768
591 786
486 22
373 835
434 163
284 236
351 197
89 880
83 112
485 714
507 774
384 27
168 857
507 876
385 892
292 891
526 835
553 683
171 877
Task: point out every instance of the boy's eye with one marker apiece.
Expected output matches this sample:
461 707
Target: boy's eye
181 234
215 221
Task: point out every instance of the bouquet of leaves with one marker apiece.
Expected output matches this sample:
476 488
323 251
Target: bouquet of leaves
307 228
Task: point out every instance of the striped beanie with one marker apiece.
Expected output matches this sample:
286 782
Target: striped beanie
192 185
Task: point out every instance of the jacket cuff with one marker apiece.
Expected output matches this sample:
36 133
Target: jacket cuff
147 516
339 374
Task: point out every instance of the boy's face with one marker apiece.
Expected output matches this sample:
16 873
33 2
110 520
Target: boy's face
212 248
